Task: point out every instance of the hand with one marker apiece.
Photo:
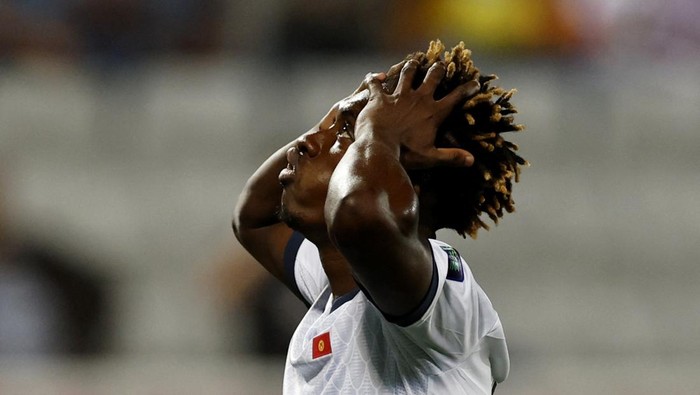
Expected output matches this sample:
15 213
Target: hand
395 69
410 117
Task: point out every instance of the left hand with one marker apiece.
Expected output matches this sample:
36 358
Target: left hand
411 117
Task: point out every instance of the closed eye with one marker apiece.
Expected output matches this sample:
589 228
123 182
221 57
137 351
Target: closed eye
345 130
345 115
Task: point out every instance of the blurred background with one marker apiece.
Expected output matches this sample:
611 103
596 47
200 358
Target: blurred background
128 127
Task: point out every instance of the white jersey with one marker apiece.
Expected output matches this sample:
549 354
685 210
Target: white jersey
346 345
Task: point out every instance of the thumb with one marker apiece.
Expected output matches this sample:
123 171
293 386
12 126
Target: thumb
452 157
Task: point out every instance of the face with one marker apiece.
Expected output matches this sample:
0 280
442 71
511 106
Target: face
311 162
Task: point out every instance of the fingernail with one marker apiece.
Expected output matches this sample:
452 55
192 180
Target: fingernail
472 87
468 160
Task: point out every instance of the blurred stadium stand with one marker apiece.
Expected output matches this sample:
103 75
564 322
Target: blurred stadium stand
127 143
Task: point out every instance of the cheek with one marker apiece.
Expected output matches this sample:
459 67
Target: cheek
321 177
313 185
317 178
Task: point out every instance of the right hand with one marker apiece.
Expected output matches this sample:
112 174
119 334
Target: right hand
411 117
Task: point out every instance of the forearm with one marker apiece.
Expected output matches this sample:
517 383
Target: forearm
258 203
372 218
370 184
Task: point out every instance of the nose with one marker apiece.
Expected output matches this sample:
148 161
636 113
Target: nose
310 143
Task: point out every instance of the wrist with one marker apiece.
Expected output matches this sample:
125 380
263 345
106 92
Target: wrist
376 135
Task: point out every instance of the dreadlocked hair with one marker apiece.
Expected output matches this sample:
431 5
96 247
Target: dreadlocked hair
477 125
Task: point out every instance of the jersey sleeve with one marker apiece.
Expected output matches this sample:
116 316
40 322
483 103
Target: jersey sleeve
455 314
303 269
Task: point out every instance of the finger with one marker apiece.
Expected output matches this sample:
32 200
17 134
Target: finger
437 157
406 78
374 83
435 74
462 92
469 89
363 84
447 103
451 157
395 69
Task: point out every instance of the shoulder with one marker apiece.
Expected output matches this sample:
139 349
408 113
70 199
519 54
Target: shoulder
456 315
302 268
447 267
459 294
455 301
449 262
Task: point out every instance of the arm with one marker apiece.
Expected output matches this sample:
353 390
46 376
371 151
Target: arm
372 209
255 221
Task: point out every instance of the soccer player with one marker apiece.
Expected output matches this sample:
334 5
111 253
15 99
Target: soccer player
346 215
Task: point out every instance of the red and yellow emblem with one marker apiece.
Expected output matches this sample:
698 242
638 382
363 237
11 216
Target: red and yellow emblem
321 345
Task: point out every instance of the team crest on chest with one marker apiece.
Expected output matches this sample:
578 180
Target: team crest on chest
321 345
455 271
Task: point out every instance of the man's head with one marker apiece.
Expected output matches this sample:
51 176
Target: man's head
311 161
463 194
459 195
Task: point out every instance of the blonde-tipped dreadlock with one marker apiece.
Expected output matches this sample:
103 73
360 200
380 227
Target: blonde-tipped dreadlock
476 126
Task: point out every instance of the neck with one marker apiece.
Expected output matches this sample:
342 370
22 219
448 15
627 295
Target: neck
336 267
338 271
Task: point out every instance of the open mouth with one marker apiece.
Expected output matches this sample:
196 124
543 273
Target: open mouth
287 174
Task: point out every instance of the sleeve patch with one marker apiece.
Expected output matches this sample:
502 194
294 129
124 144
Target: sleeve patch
455 270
